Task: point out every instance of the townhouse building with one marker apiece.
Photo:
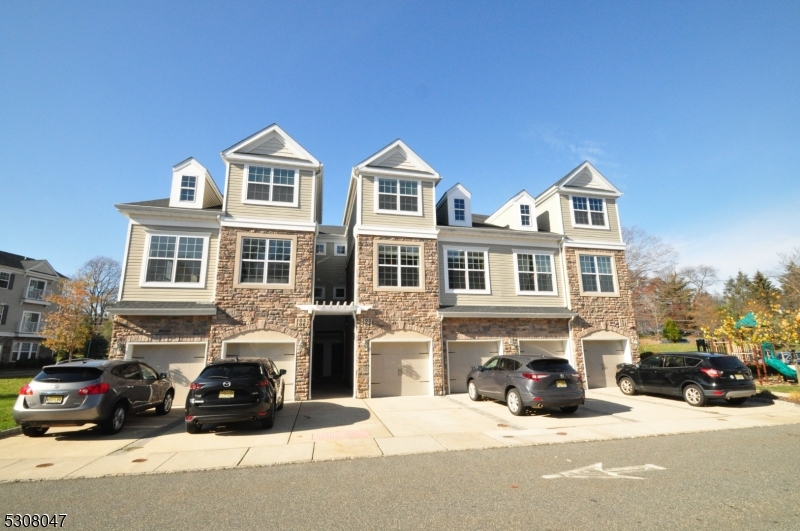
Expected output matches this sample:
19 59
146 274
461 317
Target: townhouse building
402 299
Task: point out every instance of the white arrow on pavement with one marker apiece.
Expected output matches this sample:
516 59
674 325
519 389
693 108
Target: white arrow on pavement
596 471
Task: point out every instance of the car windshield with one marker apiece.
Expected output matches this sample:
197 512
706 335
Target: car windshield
726 362
550 365
230 371
68 374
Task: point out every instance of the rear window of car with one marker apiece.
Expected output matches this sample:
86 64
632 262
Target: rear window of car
554 365
234 370
726 362
68 374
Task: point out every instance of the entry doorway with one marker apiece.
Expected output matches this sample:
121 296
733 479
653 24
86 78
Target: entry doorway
330 366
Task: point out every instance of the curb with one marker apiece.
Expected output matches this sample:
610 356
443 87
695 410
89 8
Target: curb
4 434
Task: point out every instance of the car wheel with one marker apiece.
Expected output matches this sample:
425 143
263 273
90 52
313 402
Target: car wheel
736 401
569 409
113 424
192 428
31 431
694 396
472 389
514 402
269 422
283 397
626 386
164 407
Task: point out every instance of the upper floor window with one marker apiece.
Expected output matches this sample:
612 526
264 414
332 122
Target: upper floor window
340 250
339 293
467 271
535 273
589 211
597 274
321 248
399 266
188 187
24 351
265 261
459 209
398 195
36 289
175 259
5 280
30 322
319 292
525 215
271 185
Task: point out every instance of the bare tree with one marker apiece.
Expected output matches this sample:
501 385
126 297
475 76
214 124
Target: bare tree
647 255
789 278
102 276
700 277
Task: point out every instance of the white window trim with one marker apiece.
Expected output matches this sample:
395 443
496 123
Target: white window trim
324 248
343 297
397 212
529 214
181 188
592 227
552 256
206 236
376 265
38 322
44 291
336 250
598 293
9 273
485 251
456 209
322 296
295 196
17 352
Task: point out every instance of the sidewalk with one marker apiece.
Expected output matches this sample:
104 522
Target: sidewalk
352 428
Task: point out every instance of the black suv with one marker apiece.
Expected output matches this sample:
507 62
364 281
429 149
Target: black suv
235 390
697 376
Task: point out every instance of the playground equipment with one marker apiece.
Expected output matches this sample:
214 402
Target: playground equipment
771 359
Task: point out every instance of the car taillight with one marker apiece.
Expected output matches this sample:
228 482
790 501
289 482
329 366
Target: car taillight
96 389
26 390
535 376
262 383
578 377
713 373
194 386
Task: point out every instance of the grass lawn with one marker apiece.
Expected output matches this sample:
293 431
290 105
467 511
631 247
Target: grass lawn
780 388
9 390
667 347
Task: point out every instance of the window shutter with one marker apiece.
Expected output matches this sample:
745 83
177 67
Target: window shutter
3 314
11 281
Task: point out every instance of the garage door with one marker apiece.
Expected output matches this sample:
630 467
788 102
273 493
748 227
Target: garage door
462 356
601 359
543 347
400 369
281 353
182 362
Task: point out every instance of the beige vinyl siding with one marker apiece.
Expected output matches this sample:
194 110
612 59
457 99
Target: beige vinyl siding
131 291
596 235
302 212
398 160
553 206
506 219
330 270
272 147
209 197
370 218
586 179
502 281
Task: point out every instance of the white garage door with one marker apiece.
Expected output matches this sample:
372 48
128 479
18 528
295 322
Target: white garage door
181 361
601 359
281 353
400 369
544 347
463 356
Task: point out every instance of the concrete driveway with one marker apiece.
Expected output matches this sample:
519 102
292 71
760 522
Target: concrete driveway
351 428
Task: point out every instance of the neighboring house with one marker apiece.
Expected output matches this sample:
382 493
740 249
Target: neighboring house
403 299
25 283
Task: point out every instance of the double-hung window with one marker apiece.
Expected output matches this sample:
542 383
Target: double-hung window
340 250
467 271
459 209
321 248
398 266
36 290
5 280
24 350
188 187
30 323
271 185
535 273
597 274
175 260
589 211
265 261
397 195
525 215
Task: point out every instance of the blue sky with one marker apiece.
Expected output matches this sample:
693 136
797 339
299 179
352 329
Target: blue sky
690 108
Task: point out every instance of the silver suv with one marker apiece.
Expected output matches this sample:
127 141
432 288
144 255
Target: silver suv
101 392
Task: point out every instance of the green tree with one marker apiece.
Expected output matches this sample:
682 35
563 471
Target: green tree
762 294
735 295
671 331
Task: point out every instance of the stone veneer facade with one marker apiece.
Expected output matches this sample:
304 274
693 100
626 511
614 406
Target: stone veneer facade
396 310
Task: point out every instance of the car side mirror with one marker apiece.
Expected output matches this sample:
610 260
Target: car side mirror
282 372
479 368
162 376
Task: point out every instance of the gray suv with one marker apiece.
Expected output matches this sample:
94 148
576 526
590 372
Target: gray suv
101 392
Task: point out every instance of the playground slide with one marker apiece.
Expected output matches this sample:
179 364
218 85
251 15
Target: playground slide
781 367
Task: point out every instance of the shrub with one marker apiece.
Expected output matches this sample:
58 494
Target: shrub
671 332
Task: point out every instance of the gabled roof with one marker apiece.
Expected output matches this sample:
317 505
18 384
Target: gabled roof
25 263
522 194
457 186
398 156
271 141
586 176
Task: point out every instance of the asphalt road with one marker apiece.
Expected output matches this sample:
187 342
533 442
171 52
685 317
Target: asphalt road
738 479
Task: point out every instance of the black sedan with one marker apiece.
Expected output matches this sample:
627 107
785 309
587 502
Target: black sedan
235 390
697 376
528 381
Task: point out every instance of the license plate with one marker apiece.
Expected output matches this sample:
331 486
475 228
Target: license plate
226 394
739 376
53 399
561 383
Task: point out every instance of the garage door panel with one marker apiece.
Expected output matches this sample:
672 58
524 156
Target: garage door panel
463 356
601 359
543 347
183 363
400 369
281 353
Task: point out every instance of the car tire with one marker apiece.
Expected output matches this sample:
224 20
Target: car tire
514 403
166 406
114 423
627 386
738 401
472 390
269 422
32 431
569 409
694 396
192 428
283 397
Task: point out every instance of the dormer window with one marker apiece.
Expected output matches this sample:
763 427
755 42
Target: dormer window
270 185
398 195
525 215
188 188
459 209
589 211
